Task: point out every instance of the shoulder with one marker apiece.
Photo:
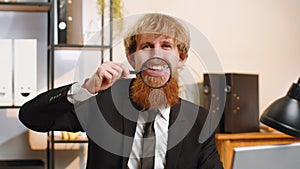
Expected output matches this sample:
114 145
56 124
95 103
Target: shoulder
193 107
188 112
194 114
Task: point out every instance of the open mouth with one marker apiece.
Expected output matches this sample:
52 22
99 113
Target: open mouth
157 67
157 70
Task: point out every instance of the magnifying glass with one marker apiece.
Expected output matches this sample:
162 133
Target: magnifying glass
155 72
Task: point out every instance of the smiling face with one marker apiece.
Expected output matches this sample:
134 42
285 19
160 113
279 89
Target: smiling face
156 36
157 57
150 46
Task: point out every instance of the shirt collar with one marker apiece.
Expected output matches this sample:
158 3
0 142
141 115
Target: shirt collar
165 112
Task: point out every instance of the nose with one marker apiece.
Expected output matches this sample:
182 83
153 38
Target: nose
157 52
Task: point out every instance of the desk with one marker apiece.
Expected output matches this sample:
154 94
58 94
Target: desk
226 142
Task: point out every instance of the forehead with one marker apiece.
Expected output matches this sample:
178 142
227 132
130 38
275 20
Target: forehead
154 37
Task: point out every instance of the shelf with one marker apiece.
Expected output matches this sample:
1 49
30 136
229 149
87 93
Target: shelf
71 141
25 6
79 139
80 47
251 135
10 107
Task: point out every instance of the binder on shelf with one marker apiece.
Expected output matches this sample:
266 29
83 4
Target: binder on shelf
74 22
70 22
6 72
25 70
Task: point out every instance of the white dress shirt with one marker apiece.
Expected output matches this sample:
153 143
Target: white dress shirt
77 94
161 124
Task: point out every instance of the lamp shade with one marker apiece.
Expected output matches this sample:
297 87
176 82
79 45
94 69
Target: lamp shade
284 113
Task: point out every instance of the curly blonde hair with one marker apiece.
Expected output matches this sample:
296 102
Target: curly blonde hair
159 24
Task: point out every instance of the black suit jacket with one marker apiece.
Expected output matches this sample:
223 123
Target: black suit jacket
109 119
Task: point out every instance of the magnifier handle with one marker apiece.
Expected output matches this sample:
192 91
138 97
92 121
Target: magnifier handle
133 72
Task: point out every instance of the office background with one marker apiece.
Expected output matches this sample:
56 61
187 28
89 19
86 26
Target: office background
250 36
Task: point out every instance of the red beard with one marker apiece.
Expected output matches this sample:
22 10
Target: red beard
149 98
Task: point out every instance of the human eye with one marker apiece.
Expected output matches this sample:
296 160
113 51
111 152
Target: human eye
146 46
167 46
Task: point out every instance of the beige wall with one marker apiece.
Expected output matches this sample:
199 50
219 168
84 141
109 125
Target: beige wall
250 36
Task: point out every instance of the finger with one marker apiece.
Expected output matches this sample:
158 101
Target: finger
105 75
109 72
116 70
125 70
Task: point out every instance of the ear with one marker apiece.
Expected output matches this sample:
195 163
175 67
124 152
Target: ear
182 60
130 59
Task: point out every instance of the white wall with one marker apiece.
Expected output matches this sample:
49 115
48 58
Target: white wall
250 36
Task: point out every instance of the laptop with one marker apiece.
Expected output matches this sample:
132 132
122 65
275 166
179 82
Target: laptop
285 156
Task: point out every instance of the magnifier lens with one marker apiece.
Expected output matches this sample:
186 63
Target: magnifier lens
156 72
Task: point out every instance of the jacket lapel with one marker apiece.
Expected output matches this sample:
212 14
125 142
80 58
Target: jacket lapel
173 151
182 119
121 97
129 128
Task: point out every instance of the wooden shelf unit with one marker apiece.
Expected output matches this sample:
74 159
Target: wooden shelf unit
79 139
25 6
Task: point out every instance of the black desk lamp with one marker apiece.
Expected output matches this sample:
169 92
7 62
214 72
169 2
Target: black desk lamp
284 113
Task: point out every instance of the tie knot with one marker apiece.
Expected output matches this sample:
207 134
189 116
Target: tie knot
151 114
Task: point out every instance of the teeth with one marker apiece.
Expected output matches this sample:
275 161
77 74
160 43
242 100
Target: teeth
158 67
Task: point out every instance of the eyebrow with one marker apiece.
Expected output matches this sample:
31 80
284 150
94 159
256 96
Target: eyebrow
168 41
163 41
145 43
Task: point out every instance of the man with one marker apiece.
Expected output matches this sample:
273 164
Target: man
176 124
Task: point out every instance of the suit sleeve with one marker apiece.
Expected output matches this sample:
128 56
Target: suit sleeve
50 111
210 158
